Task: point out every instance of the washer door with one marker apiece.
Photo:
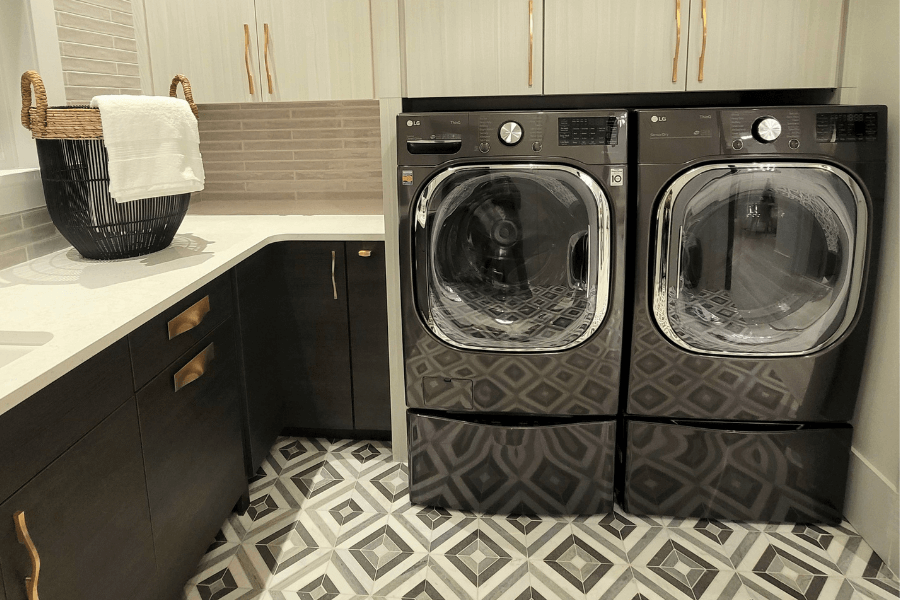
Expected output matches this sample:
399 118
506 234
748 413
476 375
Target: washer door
512 257
759 259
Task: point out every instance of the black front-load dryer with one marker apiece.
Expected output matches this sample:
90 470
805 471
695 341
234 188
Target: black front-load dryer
512 232
757 229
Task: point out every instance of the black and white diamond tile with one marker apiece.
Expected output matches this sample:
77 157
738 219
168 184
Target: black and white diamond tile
331 520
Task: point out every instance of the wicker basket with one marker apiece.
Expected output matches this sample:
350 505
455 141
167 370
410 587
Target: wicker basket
75 174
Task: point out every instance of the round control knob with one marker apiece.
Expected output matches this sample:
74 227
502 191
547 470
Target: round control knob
537 146
484 147
766 129
510 133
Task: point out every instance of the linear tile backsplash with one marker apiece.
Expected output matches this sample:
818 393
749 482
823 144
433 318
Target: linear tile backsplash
98 48
26 235
315 154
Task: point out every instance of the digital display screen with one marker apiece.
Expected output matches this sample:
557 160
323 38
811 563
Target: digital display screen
588 131
846 127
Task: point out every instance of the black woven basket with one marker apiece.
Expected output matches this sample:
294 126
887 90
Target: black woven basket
75 174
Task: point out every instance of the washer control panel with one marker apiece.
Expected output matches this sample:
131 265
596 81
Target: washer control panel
510 133
766 129
588 131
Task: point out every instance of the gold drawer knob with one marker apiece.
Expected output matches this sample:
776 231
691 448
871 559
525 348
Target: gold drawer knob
365 253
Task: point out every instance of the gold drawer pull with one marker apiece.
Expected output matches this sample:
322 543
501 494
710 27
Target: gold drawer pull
190 318
31 583
365 253
195 369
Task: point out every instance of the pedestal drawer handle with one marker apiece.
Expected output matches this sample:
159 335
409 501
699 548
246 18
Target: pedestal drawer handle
195 369
365 253
333 282
190 318
31 583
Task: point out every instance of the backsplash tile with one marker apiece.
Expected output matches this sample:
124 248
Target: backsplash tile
27 235
313 153
98 48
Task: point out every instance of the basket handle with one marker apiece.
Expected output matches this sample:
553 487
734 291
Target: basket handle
32 79
186 85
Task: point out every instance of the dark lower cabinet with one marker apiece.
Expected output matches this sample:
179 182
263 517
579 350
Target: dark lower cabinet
87 515
193 453
367 307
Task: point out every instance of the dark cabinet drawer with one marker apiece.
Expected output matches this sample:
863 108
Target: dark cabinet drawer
87 516
170 334
38 430
193 452
750 472
513 467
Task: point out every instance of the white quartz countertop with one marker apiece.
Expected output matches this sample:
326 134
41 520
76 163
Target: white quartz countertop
59 310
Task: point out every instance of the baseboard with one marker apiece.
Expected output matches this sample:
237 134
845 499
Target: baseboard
872 506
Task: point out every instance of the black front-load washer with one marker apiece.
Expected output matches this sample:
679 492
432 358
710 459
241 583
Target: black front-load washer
757 229
512 232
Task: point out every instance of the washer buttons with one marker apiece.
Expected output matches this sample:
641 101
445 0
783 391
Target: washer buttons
794 144
737 144
537 146
484 147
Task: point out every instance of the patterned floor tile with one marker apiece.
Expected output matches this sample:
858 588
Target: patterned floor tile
217 558
354 532
653 586
413 531
265 475
856 559
448 532
364 450
290 452
405 579
770 550
450 578
505 531
727 585
604 539
505 580
268 565
548 583
547 537
803 588
876 588
643 543
321 492
713 540
257 517
222 591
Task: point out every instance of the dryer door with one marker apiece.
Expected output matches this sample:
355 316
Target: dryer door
512 257
759 259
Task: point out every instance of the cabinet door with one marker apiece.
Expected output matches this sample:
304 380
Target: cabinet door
87 515
367 294
759 44
316 50
473 47
615 46
314 344
205 41
257 287
193 453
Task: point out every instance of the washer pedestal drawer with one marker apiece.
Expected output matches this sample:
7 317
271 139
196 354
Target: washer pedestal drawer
509 466
789 473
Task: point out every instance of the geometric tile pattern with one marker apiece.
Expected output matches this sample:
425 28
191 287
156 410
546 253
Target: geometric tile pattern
336 547
523 470
779 476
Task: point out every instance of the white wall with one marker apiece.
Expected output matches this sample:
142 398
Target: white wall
872 76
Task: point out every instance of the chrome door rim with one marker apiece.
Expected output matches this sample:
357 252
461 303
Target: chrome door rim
603 256
665 229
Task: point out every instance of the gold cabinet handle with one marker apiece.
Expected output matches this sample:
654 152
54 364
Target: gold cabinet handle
247 55
31 583
677 40
195 369
333 282
703 47
365 253
266 54
530 43
190 318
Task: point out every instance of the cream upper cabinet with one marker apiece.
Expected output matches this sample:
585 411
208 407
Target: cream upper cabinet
758 44
317 49
473 47
205 41
615 46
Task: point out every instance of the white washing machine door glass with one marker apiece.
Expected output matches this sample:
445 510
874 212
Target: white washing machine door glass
759 259
512 257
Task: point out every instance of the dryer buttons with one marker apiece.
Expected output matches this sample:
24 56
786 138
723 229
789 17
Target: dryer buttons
484 147
737 144
794 144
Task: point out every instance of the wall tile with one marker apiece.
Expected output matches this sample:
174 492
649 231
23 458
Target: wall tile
27 235
315 153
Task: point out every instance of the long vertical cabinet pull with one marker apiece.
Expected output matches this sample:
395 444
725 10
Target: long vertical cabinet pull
677 40
266 54
333 282
31 583
703 47
530 43
247 56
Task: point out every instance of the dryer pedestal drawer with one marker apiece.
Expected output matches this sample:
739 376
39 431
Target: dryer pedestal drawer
737 471
558 468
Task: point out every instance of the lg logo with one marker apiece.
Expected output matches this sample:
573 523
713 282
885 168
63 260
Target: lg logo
410 123
655 119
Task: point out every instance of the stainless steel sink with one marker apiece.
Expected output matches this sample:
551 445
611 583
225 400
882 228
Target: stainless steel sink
16 344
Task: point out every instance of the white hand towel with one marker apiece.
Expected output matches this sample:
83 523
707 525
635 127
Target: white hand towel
153 145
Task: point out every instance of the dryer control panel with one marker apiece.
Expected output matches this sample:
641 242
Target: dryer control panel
588 136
